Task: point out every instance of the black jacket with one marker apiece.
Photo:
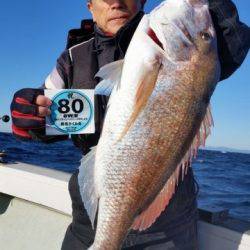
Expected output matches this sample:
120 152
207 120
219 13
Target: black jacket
233 35
77 66
88 49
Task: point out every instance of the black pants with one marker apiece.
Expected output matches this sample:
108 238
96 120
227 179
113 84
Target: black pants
176 228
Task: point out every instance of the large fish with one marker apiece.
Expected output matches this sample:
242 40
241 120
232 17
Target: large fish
158 115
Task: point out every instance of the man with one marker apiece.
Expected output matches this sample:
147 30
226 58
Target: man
88 49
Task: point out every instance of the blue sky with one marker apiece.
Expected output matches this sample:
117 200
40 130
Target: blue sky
33 34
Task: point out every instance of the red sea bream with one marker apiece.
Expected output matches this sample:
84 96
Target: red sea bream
157 117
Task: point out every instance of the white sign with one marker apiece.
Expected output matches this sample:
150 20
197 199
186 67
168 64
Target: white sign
72 112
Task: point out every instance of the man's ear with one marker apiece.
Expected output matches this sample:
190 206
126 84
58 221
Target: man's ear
90 7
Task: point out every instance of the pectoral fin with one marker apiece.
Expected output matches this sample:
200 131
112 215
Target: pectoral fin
144 91
150 215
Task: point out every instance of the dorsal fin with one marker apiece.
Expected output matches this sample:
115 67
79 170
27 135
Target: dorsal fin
149 216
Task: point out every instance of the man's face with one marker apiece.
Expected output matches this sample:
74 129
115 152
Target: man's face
111 15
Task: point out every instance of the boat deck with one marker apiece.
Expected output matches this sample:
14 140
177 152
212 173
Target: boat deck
35 210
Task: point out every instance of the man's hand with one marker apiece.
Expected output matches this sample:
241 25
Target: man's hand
28 110
43 103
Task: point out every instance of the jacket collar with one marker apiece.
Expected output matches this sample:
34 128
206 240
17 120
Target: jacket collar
88 30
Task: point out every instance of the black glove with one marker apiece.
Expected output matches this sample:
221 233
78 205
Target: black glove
24 113
26 124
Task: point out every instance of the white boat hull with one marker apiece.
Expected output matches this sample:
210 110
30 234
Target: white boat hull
35 211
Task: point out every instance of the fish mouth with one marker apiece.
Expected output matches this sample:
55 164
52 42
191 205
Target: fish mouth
154 37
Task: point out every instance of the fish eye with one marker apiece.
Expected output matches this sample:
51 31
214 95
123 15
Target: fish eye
205 36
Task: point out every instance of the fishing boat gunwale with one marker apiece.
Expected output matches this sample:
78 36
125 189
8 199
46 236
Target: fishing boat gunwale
36 188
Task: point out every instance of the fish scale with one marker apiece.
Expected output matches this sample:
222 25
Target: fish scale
158 116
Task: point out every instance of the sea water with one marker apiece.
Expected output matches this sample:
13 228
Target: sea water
223 177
